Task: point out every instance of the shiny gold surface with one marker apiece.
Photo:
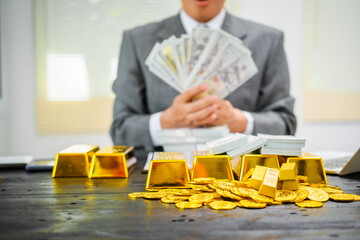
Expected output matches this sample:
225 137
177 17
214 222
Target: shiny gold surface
257 177
112 162
289 185
269 186
236 165
167 174
168 156
288 171
217 166
252 160
201 153
74 161
310 166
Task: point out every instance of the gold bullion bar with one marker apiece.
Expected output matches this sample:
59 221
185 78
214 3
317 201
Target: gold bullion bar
167 174
268 188
217 166
113 162
236 165
289 185
288 171
257 177
249 174
74 161
252 160
201 153
168 156
310 166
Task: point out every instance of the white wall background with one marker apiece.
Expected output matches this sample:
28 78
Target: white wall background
17 109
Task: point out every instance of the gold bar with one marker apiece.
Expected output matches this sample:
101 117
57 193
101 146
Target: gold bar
269 186
74 161
310 166
168 156
216 166
201 153
289 185
252 160
288 171
113 162
236 165
167 174
257 177
249 174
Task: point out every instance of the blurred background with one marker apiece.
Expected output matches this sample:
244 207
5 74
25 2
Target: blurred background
59 60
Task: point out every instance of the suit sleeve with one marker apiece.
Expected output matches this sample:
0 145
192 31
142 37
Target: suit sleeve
130 124
274 114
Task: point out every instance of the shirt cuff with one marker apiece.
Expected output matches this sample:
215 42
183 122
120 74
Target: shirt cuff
154 126
250 123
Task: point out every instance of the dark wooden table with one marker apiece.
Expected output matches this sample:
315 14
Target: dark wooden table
35 206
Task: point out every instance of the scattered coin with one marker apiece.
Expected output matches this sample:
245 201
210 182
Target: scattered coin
184 205
222 205
201 198
318 195
342 197
251 204
302 194
309 204
135 195
285 196
154 195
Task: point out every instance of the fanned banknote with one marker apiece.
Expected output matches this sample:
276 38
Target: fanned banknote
213 57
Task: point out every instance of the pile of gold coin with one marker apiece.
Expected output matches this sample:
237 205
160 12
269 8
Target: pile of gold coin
222 194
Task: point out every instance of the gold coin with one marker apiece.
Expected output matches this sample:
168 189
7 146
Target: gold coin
187 192
154 195
302 179
260 198
203 180
220 192
173 199
170 200
170 190
224 185
212 186
240 191
275 203
329 190
183 205
201 198
251 204
318 195
229 194
309 204
202 188
135 195
356 197
302 194
222 205
342 197
285 196
318 185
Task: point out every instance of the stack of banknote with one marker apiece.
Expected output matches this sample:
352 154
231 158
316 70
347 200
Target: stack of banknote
286 145
189 139
208 56
236 144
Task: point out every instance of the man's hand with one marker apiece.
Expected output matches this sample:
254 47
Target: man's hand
185 113
228 115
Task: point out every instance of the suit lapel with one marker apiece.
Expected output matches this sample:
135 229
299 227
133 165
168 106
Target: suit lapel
234 26
172 27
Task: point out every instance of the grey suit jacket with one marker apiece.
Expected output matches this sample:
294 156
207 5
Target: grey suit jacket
139 93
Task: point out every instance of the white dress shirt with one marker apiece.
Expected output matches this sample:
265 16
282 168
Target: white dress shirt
189 23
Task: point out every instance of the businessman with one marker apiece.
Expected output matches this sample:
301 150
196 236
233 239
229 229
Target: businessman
144 103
